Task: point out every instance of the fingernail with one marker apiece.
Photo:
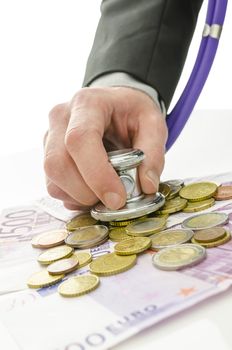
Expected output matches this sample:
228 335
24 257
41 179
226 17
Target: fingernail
113 200
152 177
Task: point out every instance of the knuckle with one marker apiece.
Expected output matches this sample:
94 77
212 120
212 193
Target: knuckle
57 111
75 137
54 166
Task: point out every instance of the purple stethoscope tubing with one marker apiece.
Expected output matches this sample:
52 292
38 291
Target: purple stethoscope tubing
180 114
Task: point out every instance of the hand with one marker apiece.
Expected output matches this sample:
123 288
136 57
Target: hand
81 132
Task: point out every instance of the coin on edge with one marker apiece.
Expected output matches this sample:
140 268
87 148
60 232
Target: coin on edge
118 234
223 193
80 220
133 245
169 238
84 258
198 206
54 254
179 257
78 285
164 188
198 191
111 264
42 279
215 243
175 189
63 266
49 239
210 234
146 227
173 206
207 220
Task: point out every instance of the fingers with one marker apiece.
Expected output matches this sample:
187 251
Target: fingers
151 138
60 167
90 116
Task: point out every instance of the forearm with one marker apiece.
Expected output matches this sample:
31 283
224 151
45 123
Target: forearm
147 39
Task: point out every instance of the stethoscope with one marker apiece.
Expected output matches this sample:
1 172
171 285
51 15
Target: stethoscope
125 162
180 114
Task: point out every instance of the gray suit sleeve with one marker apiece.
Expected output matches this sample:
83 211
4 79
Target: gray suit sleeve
147 39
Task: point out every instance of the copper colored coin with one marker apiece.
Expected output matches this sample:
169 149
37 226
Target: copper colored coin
63 266
210 234
49 239
223 193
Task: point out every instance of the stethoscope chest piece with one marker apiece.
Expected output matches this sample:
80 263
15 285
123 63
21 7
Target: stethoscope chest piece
125 162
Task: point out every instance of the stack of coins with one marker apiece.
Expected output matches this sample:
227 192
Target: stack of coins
174 248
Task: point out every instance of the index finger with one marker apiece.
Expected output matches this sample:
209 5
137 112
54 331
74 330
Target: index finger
84 143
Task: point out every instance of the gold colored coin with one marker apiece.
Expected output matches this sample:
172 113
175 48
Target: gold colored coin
173 205
133 245
78 285
63 266
43 279
49 239
146 227
198 191
84 258
157 215
170 237
209 234
216 243
125 222
198 206
80 220
54 254
112 264
178 257
118 234
88 236
206 220
165 189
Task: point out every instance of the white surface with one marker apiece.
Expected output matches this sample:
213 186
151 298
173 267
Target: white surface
200 150
44 49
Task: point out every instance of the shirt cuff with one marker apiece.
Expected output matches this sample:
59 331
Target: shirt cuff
124 79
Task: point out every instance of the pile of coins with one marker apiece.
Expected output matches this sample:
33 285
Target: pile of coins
174 249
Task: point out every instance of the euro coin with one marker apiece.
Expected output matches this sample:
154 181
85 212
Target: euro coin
169 238
88 236
215 243
80 220
223 193
157 215
173 206
133 245
78 285
112 264
146 227
164 188
209 234
124 222
198 191
54 254
175 189
49 239
207 220
176 182
118 234
198 206
179 257
63 266
42 279
83 258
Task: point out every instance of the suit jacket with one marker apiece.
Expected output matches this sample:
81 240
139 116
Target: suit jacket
148 39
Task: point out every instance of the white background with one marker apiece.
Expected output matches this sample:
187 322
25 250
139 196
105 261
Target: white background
44 49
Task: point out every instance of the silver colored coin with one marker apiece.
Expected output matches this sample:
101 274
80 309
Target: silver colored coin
206 220
179 257
176 182
87 237
170 238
